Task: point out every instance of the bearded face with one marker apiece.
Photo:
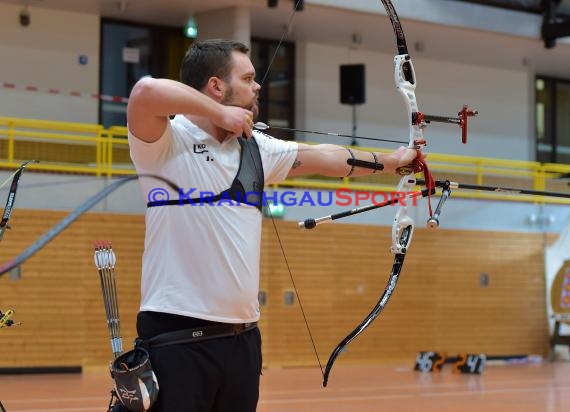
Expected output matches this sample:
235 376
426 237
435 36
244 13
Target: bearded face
233 98
241 89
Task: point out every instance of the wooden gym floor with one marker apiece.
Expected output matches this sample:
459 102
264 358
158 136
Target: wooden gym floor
522 388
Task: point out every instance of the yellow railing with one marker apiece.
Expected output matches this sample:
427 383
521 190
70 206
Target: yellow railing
55 144
117 138
92 149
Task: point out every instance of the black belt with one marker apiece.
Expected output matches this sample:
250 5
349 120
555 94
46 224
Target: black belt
223 330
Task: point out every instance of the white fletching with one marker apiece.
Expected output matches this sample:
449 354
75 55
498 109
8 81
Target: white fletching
261 126
112 258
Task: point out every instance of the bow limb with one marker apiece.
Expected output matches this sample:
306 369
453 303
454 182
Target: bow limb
405 236
72 217
12 196
402 231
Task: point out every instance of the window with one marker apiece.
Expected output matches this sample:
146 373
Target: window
130 51
277 95
552 120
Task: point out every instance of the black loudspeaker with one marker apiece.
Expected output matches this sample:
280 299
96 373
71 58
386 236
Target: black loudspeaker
352 84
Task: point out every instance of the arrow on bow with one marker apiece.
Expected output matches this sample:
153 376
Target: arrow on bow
263 126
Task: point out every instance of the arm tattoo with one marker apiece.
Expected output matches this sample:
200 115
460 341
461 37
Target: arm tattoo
296 164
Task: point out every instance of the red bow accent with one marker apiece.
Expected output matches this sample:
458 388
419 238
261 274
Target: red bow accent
420 166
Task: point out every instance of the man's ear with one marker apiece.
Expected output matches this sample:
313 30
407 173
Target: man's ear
215 87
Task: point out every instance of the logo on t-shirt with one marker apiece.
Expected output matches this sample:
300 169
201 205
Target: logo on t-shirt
202 149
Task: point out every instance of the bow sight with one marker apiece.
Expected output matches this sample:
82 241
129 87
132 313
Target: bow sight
461 120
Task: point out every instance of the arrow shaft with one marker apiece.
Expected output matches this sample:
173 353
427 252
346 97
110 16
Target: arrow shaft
289 129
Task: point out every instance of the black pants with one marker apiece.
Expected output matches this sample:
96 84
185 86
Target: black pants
215 375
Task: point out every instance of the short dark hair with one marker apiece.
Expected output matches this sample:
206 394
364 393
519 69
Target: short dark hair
209 58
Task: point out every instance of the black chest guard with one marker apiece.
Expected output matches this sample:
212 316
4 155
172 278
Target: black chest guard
246 188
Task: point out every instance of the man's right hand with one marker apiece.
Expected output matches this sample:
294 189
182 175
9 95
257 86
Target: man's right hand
237 121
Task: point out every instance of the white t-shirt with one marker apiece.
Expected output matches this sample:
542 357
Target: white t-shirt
202 261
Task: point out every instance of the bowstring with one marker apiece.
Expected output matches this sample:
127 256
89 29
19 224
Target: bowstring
279 240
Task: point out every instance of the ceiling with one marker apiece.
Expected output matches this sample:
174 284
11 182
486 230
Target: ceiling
337 26
174 12
531 6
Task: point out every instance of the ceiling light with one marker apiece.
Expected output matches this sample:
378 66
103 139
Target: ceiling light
191 28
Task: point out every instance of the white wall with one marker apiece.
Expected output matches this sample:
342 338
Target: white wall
45 54
504 99
236 25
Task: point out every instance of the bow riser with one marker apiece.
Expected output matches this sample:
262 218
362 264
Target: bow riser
405 79
403 226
